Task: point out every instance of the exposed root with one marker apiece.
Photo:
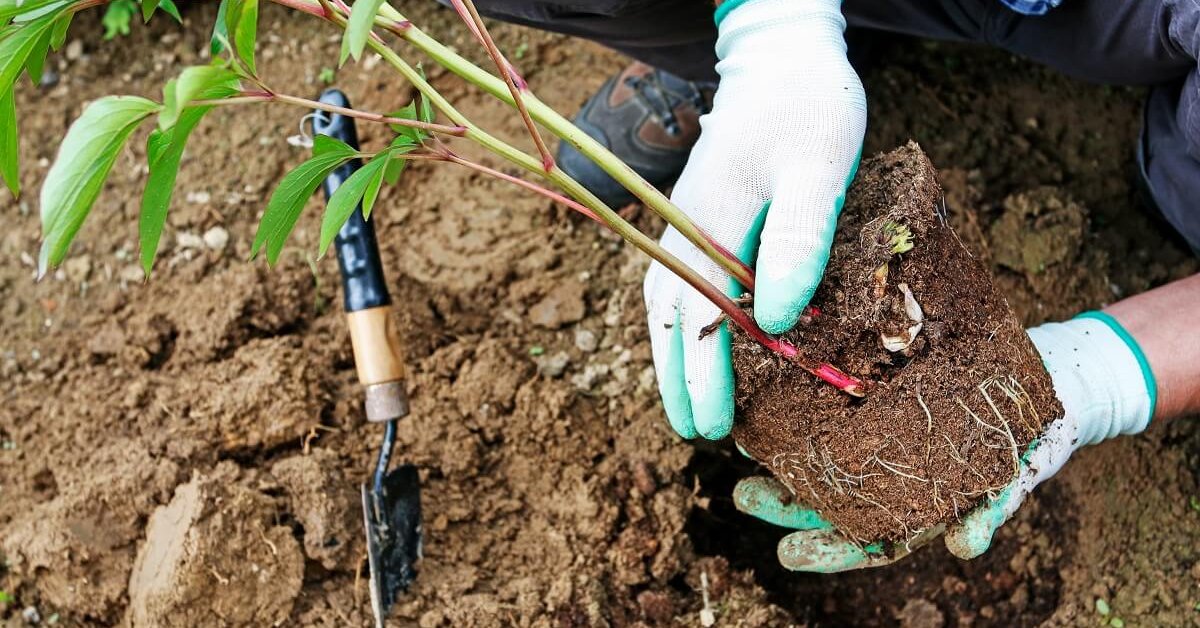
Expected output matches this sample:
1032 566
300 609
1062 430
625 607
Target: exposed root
892 466
1006 433
963 461
1020 398
928 426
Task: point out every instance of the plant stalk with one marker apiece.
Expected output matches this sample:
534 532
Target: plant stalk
605 214
470 15
528 185
584 143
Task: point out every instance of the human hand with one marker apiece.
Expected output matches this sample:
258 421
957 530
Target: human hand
1106 388
766 180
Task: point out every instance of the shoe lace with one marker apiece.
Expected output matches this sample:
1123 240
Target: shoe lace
662 100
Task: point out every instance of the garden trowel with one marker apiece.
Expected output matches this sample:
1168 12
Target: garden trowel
391 497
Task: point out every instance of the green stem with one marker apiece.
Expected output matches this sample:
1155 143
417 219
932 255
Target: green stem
470 15
610 218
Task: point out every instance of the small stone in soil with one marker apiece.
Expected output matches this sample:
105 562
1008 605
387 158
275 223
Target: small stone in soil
78 268
588 378
189 240
585 340
216 238
563 305
553 365
131 274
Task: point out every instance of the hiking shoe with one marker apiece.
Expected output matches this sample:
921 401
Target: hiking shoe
647 117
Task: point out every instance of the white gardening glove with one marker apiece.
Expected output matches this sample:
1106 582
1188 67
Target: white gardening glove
1106 388
768 175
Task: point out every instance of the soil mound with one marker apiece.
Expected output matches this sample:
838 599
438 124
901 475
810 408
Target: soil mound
959 390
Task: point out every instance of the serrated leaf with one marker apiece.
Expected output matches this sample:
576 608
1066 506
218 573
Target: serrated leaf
84 160
59 35
219 34
287 201
164 150
212 80
350 194
358 28
117 18
241 29
17 47
9 157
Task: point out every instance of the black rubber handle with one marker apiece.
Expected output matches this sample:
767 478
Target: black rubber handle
357 250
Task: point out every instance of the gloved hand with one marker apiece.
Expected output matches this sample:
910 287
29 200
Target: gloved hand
775 157
1106 388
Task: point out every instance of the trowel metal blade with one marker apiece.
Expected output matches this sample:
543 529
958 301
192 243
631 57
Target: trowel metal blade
393 522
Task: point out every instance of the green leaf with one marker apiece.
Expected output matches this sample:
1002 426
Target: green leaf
84 160
19 45
372 193
212 80
425 114
287 201
241 29
37 56
164 150
324 144
396 166
168 7
148 8
358 28
117 18
26 9
362 186
61 25
219 33
408 112
9 172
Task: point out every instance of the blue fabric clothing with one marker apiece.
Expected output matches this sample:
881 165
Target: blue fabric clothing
1032 7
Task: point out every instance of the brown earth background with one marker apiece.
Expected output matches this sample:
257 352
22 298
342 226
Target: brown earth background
217 403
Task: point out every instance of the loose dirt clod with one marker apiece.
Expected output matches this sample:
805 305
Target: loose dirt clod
214 556
960 390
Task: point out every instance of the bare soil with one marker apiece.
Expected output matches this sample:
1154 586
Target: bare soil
217 403
950 405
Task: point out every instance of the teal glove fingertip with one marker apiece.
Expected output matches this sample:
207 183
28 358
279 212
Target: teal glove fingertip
766 499
972 537
823 551
712 416
778 303
673 388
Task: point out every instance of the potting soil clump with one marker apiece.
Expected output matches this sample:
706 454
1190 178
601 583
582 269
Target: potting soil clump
957 391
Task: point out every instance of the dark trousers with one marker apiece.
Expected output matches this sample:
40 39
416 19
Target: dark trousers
1153 43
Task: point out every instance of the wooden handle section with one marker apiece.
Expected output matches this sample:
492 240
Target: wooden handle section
377 353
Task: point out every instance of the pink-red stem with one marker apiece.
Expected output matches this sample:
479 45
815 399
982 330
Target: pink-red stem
533 187
516 84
